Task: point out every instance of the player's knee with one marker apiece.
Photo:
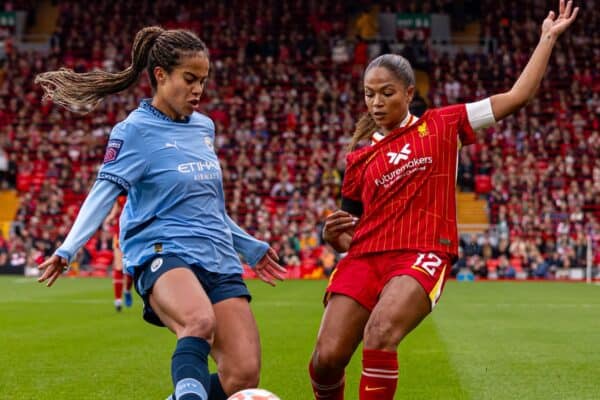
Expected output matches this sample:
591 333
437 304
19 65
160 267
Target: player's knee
329 358
244 376
382 334
199 325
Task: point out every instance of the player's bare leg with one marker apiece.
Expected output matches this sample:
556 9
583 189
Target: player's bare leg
401 307
127 295
117 273
126 279
236 349
340 334
180 302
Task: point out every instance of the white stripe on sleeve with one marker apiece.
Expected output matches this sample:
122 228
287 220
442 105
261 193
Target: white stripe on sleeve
480 114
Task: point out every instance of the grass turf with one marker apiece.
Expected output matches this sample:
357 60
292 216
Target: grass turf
503 340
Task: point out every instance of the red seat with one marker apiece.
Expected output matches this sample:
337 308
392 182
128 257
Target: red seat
23 182
492 265
517 264
102 259
483 184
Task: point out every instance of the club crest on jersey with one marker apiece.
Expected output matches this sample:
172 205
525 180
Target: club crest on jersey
156 264
209 143
112 150
422 129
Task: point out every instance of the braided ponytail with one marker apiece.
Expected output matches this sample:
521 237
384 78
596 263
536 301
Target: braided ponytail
82 92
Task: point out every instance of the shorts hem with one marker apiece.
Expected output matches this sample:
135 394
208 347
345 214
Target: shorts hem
353 296
231 295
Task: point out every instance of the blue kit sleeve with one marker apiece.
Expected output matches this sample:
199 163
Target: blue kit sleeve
249 247
95 208
124 159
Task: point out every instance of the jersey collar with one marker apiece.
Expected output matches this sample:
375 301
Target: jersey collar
408 120
146 104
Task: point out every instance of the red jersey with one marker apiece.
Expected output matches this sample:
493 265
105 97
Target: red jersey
406 184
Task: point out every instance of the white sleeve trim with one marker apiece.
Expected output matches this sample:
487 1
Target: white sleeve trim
480 114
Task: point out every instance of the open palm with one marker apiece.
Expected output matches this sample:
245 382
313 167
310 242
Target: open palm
555 26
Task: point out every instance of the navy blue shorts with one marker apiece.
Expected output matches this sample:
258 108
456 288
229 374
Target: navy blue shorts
217 286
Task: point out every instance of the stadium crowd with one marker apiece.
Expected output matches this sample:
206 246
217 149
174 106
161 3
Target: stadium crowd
284 93
540 170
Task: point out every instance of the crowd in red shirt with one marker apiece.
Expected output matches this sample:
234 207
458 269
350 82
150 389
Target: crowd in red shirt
284 112
539 169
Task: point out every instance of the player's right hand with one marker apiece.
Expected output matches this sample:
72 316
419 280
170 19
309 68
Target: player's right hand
556 26
53 267
338 223
268 268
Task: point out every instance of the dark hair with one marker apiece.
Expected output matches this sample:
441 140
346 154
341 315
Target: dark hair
401 68
152 47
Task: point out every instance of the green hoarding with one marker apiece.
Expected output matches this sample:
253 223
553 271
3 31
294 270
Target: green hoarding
8 19
413 21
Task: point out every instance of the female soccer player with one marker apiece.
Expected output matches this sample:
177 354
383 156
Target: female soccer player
176 236
122 280
401 187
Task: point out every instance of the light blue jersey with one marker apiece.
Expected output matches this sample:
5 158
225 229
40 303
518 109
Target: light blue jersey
175 203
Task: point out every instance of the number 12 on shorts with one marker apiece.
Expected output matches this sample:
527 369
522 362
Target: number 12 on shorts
428 262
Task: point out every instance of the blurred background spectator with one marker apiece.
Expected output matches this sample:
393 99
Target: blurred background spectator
285 92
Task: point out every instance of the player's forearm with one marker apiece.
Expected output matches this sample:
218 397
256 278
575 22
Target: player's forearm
248 246
93 211
526 86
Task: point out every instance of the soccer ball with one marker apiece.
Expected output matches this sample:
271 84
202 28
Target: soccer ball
254 394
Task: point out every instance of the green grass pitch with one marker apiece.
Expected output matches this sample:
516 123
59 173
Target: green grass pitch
484 341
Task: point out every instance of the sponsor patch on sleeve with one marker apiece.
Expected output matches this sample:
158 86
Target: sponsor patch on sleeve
112 150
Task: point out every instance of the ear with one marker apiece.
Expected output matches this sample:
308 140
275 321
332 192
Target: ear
410 92
160 75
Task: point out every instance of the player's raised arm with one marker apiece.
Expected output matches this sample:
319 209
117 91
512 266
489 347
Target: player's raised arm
526 86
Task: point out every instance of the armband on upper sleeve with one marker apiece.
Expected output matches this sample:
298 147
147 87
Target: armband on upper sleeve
480 114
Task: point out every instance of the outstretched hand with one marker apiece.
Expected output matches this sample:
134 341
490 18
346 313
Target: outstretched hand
53 267
267 269
566 15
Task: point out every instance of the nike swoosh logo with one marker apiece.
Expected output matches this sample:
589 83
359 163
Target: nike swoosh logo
372 389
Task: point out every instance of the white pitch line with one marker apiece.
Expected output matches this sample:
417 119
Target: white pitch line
24 280
51 301
528 305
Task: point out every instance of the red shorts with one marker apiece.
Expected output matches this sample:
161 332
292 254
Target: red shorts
363 277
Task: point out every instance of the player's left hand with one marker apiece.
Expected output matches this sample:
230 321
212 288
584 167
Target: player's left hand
268 270
53 267
566 16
